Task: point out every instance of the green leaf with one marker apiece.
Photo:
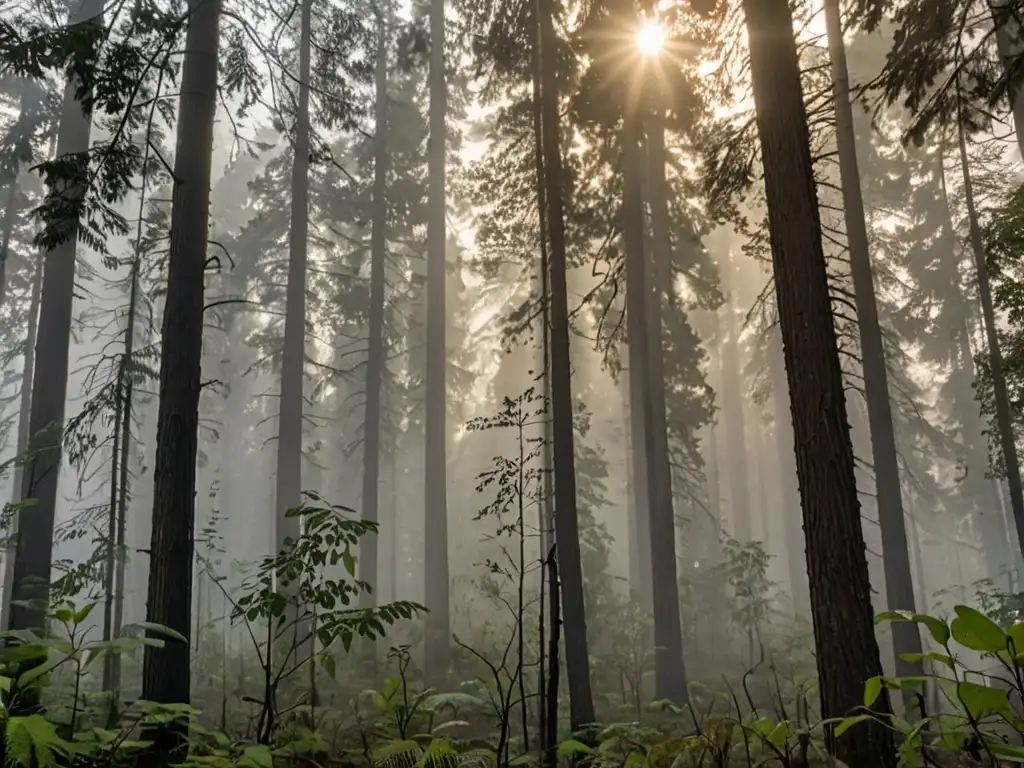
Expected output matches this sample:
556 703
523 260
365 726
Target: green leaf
941 658
83 614
981 700
1016 634
256 756
872 690
848 722
936 627
141 627
327 662
571 747
349 562
635 760
974 630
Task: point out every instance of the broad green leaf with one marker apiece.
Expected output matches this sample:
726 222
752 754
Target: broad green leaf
256 756
635 760
936 627
83 614
974 630
941 658
1016 634
848 722
350 563
571 747
872 690
981 700
139 628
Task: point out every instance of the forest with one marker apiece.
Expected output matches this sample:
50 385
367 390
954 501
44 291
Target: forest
613 383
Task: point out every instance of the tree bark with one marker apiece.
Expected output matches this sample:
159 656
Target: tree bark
1004 419
796 552
375 356
437 644
846 649
670 669
34 553
899 580
165 673
24 410
1009 47
732 413
293 361
577 659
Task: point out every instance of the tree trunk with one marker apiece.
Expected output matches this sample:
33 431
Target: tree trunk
846 650
24 410
796 552
899 580
1004 419
119 503
639 512
436 641
670 669
10 213
375 356
293 361
34 553
732 414
165 673
577 659
1008 44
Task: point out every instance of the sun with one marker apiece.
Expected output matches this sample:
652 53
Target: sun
651 38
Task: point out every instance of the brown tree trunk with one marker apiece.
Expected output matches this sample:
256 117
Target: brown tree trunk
34 540
670 668
165 674
846 650
899 580
437 643
577 659
375 357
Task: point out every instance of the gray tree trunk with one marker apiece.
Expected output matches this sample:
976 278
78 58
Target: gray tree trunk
34 540
368 560
293 361
436 640
899 581
737 462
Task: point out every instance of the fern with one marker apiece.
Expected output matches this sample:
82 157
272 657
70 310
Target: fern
32 742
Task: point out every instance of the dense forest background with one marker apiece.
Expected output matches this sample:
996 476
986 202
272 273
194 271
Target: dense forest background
565 362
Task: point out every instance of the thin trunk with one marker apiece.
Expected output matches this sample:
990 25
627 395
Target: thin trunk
551 689
640 518
846 649
34 553
289 427
10 213
899 580
436 641
110 559
581 703
165 673
375 357
547 736
796 552
1004 419
733 416
670 669
24 410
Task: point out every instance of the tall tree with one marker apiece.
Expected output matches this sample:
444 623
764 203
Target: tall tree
899 580
293 363
34 537
378 264
437 642
567 543
166 671
840 588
